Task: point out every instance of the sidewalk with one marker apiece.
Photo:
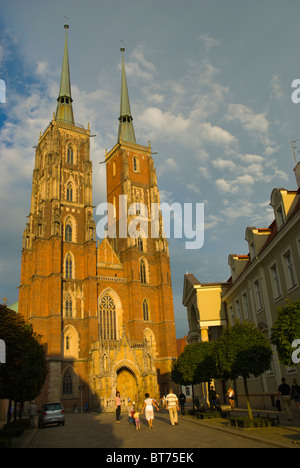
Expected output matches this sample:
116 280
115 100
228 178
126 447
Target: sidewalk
286 435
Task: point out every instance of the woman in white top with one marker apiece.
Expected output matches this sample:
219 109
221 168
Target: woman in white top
148 407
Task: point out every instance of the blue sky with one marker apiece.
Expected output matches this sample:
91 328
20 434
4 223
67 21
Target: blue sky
209 85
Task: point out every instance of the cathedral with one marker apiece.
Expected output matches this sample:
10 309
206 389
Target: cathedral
104 309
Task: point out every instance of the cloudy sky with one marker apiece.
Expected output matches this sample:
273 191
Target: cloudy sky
210 87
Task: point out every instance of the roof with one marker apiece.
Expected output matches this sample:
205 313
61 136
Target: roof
273 233
181 344
126 130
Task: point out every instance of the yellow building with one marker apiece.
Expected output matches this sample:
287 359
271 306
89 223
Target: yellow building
260 283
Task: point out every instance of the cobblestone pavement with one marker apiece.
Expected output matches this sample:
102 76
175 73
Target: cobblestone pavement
101 431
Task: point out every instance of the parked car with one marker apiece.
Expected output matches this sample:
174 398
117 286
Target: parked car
51 413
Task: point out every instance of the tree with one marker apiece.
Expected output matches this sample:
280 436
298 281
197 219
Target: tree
241 351
285 331
195 365
24 374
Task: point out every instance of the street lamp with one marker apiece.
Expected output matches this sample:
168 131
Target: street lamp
81 388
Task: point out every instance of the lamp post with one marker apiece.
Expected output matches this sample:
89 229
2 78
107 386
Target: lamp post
81 388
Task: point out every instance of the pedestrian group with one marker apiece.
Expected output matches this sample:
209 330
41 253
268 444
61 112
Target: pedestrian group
169 402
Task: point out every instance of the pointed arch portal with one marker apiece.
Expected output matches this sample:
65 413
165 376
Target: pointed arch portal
127 383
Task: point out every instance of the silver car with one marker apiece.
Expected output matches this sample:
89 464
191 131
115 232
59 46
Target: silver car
51 413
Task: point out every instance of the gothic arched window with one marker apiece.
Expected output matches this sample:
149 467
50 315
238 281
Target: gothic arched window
107 318
146 310
136 164
140 244
70 155
69 266
70 192
67 383
69 307
68 230
143 276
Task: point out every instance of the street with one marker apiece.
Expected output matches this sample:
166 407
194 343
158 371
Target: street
101 431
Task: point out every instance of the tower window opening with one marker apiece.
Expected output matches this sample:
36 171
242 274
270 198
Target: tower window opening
135 167
69 192
69 267
107 319
70 155
145 311
143 272
69 308
68 231
67 380
140 244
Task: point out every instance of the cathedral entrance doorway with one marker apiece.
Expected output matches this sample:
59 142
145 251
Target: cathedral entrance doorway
127 383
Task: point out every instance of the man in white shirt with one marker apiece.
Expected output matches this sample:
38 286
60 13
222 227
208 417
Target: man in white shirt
173 407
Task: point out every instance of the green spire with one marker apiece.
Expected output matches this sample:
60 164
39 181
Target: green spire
126 130
64 110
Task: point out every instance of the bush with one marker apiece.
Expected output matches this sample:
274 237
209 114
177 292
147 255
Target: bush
252 423
14 429
211 415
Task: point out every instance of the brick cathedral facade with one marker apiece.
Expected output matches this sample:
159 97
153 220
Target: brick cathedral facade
104 309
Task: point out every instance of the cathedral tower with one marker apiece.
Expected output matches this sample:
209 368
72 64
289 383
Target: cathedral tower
105 311
58 290
136 228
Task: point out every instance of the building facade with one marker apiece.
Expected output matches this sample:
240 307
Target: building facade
104 309
260 283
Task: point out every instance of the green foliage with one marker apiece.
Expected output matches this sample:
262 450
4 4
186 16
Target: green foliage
241 351
195 365
23 375
247 423
285 330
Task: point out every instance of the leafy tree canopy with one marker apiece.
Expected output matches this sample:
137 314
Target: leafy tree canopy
241 351
23 375
285 331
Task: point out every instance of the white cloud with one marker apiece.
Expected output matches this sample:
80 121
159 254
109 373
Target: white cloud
208 41
224 164
226 186
276 87
250 121
194 188
138 66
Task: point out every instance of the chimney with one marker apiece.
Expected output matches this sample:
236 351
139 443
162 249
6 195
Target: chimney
297 174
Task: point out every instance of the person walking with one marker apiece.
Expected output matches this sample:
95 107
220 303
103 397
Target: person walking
182 399
296 394
149 411
285 391
118 406
213 398
173 407
33 413
231 397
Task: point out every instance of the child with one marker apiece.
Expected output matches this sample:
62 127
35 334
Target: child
130 413
137 420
